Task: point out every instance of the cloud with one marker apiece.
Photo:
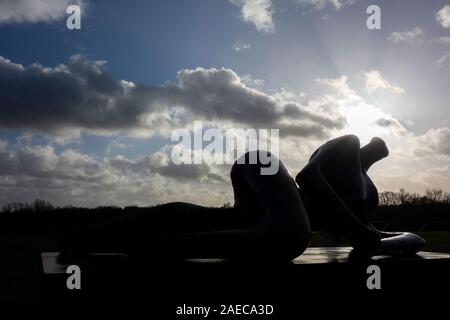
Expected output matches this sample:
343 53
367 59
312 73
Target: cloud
383 122
249 81
416 179
240 46
359 116
116 145
376 82
435 142
82 95
392 124
340 86
443 16
87 90
412 36
70 177
42 162
257 12
19 11
439 62
159 163
436 178
322 4
441 40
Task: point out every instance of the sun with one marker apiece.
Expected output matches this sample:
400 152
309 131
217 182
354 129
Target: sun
361 121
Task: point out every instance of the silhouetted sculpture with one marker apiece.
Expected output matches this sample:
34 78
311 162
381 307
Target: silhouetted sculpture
339 195
268 218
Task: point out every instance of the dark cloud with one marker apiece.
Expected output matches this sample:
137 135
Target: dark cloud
296 112
392 124
305 130
82 95
385 123
77 95
158 163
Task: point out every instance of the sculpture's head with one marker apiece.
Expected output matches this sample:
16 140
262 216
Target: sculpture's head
372 152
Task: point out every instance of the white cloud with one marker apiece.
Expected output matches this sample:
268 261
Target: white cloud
252 82
420 162
376 82
240 46
70 177
400 170
19 11
435 142
257 12
443 16
436 178
341 87
412 36
322 4
115 145
360 116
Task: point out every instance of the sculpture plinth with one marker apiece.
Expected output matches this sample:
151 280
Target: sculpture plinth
322 270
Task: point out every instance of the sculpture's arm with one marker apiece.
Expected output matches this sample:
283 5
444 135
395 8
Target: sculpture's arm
347 224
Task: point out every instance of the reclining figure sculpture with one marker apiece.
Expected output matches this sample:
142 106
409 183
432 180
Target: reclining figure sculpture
272 215
339 196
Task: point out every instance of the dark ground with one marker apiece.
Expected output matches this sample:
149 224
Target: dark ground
27 230
21 261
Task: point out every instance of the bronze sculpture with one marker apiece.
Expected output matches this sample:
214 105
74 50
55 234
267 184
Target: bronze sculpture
339 195
268 219
271 216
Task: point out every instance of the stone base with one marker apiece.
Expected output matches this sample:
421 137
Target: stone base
325 272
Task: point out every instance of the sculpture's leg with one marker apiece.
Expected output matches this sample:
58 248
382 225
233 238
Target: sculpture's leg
283 234
283 231
133 232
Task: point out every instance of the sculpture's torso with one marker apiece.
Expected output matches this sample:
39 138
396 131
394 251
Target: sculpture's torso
341 167
343 172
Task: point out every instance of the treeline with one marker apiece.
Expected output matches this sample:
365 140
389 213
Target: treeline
402 197
41 217
386 198
407 211
397 211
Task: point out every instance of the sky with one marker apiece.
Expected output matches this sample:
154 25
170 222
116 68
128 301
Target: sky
86 115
